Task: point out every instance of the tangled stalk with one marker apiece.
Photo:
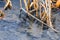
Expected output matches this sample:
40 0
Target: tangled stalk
45 14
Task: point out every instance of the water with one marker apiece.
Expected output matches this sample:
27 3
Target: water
16 27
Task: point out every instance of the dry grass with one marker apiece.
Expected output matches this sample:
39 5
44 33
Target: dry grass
8 4
34 3
45 15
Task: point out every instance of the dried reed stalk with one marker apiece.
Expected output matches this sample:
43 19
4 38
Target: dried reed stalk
34 3
26 5
45 16
49 22
20 4
8 4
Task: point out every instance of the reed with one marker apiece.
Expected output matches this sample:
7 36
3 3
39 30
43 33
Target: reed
45 15
8 5
34 3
